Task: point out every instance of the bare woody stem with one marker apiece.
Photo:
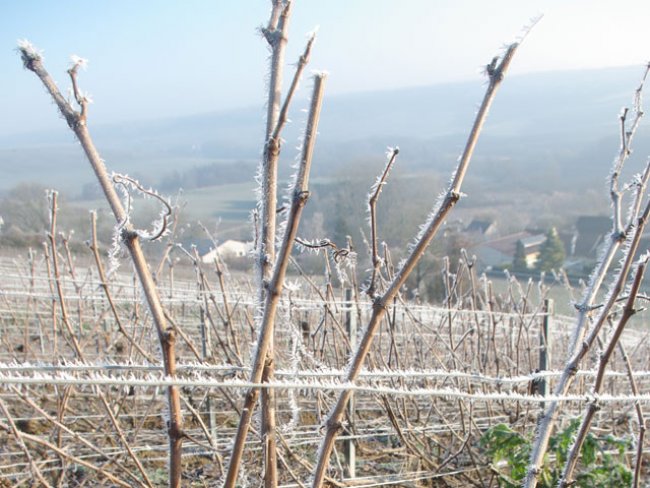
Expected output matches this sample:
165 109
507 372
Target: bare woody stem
496 71
276 285
639 415
276 36
578 348
300 68
78 351
57 276
103 283
82 101
372 207
618 227
627 135
36 472
593 407
77 122
126 469
34 439
550 416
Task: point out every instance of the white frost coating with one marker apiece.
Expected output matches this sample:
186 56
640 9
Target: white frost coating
319 73
314 246
294 359
124 183
631 231
49 194
253 220
422 229
206 371
87 97
349 262
281 229
78 61
292 286
260 248
430 218
291 187
603 250
637 183
450 393
384 174
29 50
258 318
159 226
532 22
625 247
115 252
301 247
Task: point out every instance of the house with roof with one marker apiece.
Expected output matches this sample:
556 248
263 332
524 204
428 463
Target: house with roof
590 232
500 252
228 250
480 230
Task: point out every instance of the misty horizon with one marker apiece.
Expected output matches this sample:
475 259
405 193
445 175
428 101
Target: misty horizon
151 60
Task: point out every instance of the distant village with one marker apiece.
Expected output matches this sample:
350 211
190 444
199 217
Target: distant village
521 252
527 252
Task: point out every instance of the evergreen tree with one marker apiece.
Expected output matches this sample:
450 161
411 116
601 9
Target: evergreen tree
519 262
551 255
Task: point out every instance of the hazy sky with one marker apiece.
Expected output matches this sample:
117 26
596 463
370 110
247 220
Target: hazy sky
153 58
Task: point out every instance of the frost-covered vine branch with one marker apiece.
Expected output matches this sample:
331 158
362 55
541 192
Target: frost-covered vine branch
628 132
578 347
588 416
160 226
77 121
276 36
639 415
300 194
372 209
333 425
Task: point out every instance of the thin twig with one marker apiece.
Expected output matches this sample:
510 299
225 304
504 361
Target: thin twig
33 61
300 195
63 453
590 411
372 208
333 423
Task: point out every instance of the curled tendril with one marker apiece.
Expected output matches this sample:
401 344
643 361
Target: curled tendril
338 254
127 183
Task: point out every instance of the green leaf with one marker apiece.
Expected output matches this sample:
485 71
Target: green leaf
589 450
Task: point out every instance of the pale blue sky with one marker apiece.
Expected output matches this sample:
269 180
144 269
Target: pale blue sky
156 58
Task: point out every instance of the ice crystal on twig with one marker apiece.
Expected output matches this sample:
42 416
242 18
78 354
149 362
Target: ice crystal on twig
78 62
29 52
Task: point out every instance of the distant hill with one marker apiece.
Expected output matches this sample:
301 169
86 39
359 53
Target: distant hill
545 129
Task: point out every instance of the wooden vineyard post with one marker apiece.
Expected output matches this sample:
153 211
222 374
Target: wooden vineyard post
351 328
545 347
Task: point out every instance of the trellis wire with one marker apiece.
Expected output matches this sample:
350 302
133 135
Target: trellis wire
27 307
100 380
